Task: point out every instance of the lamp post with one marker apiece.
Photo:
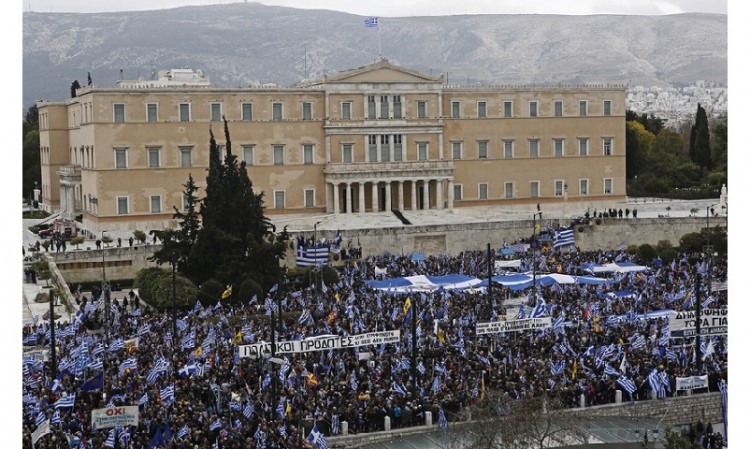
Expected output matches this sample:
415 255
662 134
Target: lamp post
654 436
174 304
533 253
105 294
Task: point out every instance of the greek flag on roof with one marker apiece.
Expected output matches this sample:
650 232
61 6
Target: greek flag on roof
371 22
563 237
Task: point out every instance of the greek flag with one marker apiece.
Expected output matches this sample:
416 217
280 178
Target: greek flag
627 384
563 237
654 381
216 425
621 247
145 329
67 401
540 309
124 437
442 422
40 418
156 371
188 341
399 389
638 343
235 406
130 363
188 369
421 368
335 424
110 442
56 417
167 394
282 430
371 22
271 306
143 400
248 411
266 381
557 367
312 255
280 408
304 318
98 349
609 371
436 384
116 345
354 382
316 438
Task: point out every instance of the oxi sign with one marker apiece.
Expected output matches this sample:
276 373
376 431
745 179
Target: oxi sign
103 418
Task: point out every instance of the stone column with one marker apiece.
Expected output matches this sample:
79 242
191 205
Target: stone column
426 194
439 194
414 195
401 196
450 194
361 197
335 198
349 202
388 205
374 196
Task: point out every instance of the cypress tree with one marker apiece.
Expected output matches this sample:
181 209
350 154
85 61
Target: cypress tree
702 140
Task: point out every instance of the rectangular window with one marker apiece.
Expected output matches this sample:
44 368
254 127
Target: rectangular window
215 112
278 155
397 106
456 150
247 112
455 109
306 111
385 148
607 107
422 151
607 186
482 109
307 155
483 191
372 148
122 205
508 149
607 146
559 186
186 156
121 158
582 108
533 148
279 199
482 149
398 148
533 109
558 108
421 109
119 113
384 106
155 204
347 149
184 112
583 147
559 147
309 198
152 112
534 189
346 110
583 187
507 108
277 112
509 189
248 154
153 158
371 106
458 192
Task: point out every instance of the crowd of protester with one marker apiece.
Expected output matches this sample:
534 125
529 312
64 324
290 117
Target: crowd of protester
221 400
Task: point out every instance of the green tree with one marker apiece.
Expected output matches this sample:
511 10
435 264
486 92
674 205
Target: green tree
77 240
237 240
177 243
32 172
700 148
140 236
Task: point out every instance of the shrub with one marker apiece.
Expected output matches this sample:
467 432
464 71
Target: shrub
249 288
185 292
646 253
210 291
146 281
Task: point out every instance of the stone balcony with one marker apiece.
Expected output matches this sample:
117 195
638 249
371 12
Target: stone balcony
388 170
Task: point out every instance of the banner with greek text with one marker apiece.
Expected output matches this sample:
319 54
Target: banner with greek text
320 343
713 322
496 327
40 431
692 382
103 418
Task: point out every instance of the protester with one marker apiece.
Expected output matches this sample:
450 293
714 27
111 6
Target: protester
598 338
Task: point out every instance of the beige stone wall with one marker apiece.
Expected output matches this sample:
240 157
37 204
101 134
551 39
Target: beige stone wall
119 263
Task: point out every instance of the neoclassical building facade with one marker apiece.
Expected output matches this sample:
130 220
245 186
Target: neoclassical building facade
377 138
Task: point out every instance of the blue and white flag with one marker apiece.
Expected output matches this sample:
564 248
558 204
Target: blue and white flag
144 399
40 418
563 237
354 382
627 384
316 438
188 369
110 441
216 425
248 410
167 394
116 345
540 310
130 364
399 389
67 401
312 255
442 422
371 22
56 418
183 432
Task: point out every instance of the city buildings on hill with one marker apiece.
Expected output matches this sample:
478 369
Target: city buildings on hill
376 138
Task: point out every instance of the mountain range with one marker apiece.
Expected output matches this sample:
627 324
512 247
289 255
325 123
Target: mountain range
241 44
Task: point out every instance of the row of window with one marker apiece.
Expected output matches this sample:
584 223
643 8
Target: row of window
380 148
378 107
279 196
559 185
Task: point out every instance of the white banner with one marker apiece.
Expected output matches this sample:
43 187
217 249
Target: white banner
692 383
713 322
40 431
496 327
320 343
37 354
104 418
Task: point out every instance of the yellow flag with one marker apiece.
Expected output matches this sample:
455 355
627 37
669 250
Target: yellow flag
227 293
238 338
575 369
288 411
441 336
199 351
336 296
407 304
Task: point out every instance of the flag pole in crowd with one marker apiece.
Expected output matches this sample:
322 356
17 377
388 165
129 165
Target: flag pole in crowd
53 355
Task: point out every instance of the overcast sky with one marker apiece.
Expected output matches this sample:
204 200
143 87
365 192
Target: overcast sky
401 8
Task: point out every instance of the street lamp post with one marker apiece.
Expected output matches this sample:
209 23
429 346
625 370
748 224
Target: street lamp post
105 294
533 253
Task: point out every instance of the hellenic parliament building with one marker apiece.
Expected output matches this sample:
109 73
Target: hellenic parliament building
375 138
